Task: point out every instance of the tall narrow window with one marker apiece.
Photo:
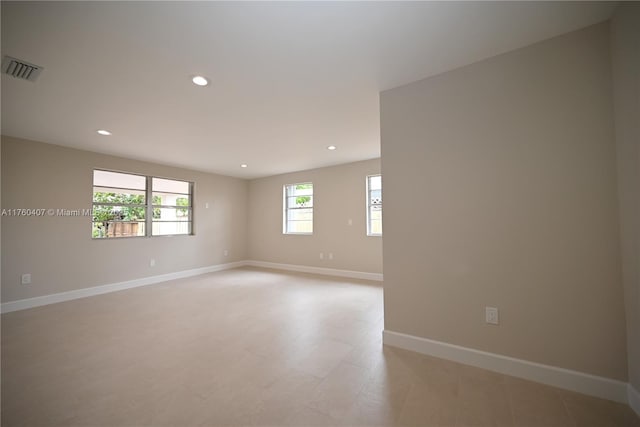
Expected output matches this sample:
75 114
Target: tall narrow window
119 204
171 207
374 205
298 208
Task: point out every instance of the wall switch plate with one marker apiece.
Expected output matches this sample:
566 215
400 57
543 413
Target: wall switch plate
350 222
330 255
152 262
226 252
206 205
491 315
26 279
321 255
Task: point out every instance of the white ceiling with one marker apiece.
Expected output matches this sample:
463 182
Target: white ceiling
287 79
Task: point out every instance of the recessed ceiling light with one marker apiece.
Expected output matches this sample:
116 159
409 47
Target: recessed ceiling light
104 132
243 165
331 147
200 81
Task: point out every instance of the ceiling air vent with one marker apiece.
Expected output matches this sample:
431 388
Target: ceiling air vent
20 69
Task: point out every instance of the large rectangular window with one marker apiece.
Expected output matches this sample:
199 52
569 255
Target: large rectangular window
298 209
131 205
374 205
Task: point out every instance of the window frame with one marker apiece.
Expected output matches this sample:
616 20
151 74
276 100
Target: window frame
286 208
148 205
369 204
152 206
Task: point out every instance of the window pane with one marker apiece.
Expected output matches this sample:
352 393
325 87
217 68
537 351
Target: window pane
375 197
300 190
170 199
300 201
375 182
170 228
170 220
170 186
375 213
300 226
111 229
300 214
115 195
118 180
376 226
118 213
171 214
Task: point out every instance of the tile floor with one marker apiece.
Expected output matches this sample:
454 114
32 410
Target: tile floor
254 347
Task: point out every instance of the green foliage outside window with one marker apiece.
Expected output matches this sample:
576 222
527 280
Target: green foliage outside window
182 201
122 211
302 200
157 200
127 213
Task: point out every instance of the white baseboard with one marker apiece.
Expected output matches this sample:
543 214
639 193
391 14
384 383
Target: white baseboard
316 270
634 398
23 304
112 287
558 377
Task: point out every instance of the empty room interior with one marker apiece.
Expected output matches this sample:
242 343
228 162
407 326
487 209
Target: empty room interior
193 229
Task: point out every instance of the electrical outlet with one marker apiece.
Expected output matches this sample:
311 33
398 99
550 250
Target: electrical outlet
226 252
350 222
206 205
491 315
330 255
26 279
321 255
152 262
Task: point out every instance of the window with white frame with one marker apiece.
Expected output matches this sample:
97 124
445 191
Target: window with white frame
374 205
131 205
172 213
298 208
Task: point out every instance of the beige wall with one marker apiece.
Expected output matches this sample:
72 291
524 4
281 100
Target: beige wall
500 190
626 77
59 251
339 195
